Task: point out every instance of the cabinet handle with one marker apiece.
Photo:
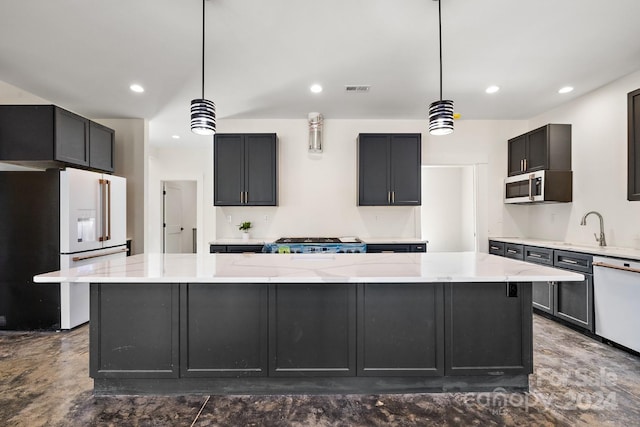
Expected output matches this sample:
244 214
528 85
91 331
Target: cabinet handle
512 251
568 261
246 197
521 165
389 197
534 255
393 197
494 248
525 164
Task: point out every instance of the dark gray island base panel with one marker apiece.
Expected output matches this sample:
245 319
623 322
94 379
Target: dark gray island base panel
310 338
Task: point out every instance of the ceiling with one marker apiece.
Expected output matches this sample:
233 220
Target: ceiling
262 56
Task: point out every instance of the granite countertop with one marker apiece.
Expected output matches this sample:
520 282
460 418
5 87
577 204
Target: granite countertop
310 268
607 251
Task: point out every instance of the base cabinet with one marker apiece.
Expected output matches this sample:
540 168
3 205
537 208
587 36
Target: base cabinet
134 331
485 326
312 330
223 330
401 329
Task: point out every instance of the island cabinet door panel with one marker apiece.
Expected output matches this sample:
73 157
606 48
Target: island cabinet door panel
312 330
400 329
134 330
488 329
223 330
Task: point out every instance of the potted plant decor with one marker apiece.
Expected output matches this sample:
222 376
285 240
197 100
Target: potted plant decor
244 227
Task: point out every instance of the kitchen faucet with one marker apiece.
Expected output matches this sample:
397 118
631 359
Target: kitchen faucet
601 240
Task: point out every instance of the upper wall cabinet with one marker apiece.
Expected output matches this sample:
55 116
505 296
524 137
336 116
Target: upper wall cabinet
389 169
245 169
545 148
633 175
47 135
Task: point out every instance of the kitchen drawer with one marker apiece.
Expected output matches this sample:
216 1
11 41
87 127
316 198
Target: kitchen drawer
512 250
235 249
496 248
573 261
538 255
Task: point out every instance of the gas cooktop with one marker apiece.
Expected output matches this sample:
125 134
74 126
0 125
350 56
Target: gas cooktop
314 240
301 245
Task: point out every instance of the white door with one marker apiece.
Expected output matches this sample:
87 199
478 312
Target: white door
80 210
172 221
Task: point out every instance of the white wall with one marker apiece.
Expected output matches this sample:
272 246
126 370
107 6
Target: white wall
599 163
130 146
176 164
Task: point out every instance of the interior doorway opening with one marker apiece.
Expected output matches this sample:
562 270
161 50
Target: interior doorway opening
179 217
448 215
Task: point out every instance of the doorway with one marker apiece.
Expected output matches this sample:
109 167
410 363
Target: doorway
448 215
179 217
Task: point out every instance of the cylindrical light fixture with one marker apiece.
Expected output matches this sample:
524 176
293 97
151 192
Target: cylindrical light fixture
440 112
315 132
441 117
203 117
203 111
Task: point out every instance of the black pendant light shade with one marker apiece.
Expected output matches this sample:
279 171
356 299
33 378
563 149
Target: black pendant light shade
203 111
440 112
203 117
441 117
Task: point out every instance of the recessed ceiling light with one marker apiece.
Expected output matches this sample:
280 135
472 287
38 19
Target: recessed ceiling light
315 88
175 136
565 89
492 89
136 88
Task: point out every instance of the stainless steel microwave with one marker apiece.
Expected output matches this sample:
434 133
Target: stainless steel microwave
539 187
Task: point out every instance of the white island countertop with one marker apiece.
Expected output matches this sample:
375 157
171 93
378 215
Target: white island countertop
310 268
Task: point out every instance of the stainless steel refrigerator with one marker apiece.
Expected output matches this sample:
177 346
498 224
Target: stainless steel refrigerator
51 220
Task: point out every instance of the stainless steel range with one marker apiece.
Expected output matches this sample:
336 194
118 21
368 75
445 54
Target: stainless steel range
304 245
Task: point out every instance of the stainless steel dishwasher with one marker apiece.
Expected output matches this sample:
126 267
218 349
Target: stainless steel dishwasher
616 288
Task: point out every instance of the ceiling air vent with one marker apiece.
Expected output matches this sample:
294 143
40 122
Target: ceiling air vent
357 88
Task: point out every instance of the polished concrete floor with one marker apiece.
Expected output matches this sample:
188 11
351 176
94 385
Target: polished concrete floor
44 381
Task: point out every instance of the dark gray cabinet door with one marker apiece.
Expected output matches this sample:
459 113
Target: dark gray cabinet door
516 152
245 170
537 151
72 138
543 296
134 330
260 170
400 330
223 330
101 147
228 169
573 302
373 170
312 330
405 170
389 169
488 332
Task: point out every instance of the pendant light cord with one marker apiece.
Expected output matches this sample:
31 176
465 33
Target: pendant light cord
203 26
439 40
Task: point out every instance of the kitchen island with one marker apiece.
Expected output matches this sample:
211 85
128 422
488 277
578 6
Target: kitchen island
326 323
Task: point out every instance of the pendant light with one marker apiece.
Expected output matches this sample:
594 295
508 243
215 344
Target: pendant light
440 112
203 111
